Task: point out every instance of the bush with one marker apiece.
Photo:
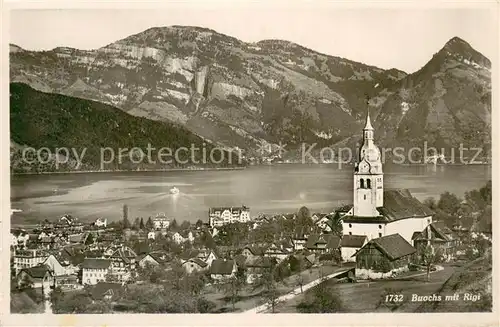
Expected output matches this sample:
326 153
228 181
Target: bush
322 300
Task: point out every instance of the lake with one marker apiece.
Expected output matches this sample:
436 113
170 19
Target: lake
265 189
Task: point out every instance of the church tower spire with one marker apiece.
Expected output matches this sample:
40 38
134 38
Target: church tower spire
368 175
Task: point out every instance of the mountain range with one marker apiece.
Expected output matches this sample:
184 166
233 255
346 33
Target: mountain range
246 95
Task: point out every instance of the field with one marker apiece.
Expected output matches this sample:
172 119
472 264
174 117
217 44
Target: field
369 296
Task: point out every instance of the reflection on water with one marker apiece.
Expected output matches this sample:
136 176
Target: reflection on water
268 189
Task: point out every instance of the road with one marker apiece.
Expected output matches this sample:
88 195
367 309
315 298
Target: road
297 291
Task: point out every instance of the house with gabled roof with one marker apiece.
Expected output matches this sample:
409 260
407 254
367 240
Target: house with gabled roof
95 270
222 269
350 244
439 236
60 265
37 277
383 257
194 265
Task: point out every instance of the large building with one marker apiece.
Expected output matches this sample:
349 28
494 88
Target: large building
221 216
377 212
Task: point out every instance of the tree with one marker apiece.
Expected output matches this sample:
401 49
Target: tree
268 282
90 239
430 256
199 223
449 203
232 288
185 225
322 300
174 225
304 219
137 222
299 279
430 202
126 222
141 224
149 224
25 282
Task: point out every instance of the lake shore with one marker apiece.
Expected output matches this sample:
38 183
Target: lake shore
126 171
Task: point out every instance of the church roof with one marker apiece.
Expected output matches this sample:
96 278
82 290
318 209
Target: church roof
393 246
398 204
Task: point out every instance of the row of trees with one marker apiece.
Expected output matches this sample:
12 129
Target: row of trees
473 212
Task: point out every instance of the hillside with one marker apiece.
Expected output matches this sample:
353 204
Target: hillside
228 91
240 94
53 121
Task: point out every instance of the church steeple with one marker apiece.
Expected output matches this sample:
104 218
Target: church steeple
368 175
368 125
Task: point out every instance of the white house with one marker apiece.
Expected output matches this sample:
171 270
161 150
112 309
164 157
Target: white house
219 216
100 222
178 238
95 270
151 235
19 238
377 212
161 221
28 258
57 267
350 244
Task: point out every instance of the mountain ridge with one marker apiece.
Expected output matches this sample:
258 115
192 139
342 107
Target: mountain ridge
243 95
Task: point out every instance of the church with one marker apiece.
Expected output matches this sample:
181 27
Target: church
377 212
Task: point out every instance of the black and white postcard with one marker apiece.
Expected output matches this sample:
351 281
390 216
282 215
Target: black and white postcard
325 159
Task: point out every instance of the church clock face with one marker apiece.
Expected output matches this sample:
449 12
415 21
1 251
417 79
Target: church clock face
373 155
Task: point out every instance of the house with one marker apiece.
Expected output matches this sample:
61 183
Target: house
220 216
299 238
322 243
322 221
95 270
210 258
58 266
274 251
67 220
383 257
37 277
66 282
28 258
101 222
252 252
256 267
161 221
19 238
153 258
178 238
194 265
439 236
350 244
123 263
77 238
151 235
223 269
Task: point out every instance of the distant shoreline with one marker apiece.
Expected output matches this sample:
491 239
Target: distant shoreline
125 171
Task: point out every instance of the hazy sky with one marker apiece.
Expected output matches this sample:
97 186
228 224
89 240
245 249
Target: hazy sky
404 38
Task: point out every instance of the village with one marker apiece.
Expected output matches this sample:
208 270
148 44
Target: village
234 261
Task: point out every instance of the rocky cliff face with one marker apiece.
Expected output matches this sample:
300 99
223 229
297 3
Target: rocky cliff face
446 103
242 94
